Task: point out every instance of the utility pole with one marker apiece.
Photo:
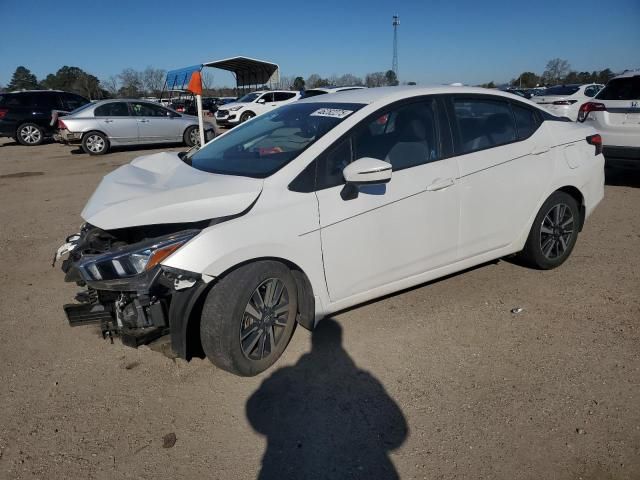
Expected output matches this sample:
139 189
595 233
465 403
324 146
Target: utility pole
394 64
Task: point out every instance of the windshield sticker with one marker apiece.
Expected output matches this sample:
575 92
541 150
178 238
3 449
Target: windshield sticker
332 112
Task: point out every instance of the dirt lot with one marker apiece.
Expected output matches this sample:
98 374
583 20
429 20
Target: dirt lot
441 381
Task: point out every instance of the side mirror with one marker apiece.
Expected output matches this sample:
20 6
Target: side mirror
261 100
362 172
367 171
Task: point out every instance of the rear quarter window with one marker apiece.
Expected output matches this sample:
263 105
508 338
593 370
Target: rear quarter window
527 121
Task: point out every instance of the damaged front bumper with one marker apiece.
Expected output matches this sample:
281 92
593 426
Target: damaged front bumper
127 292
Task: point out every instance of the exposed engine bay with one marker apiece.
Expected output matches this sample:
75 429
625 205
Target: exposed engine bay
126 290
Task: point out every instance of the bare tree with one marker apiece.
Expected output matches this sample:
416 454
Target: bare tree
375 79
556 70
348 80
111 85
152 80
207 77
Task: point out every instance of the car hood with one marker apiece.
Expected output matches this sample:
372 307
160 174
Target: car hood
161 188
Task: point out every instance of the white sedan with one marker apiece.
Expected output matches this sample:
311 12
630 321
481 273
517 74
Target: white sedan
253 104
565 100
324 204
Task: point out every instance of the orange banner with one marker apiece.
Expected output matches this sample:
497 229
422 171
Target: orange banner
195 84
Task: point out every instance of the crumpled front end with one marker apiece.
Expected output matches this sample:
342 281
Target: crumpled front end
126 290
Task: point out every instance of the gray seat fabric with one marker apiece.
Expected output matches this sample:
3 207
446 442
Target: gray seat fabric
412 147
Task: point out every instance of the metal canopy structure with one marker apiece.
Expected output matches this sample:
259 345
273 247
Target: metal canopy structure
249 73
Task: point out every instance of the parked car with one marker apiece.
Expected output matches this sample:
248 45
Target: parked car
565 100
615 113
252 104
26 116
521 92
99 126
323 204
312 92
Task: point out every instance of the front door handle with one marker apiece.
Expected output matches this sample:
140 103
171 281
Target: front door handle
539 150
144 120
440 184
108 121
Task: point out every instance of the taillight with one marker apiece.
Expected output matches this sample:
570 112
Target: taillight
61 125
564 102
595 140
3 112
585 108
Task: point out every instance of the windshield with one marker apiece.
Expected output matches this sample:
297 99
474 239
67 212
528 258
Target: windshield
263 146
248 98
561 90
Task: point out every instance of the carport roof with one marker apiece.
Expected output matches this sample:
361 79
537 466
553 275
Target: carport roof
248 71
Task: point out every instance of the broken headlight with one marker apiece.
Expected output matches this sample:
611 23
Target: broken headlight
133 259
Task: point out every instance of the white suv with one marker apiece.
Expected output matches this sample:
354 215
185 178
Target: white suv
253 104
615 112
565 100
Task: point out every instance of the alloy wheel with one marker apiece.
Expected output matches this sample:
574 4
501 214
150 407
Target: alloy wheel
30 134
95 143
556 231
194 136
264 319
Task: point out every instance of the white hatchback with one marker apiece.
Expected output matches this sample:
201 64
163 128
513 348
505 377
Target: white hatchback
565 100
321 205
253 104
615 113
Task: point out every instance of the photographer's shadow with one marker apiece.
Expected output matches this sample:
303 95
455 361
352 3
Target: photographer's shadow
326 419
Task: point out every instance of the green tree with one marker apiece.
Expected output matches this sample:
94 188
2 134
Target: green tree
298 83
604 76
22 79
391 78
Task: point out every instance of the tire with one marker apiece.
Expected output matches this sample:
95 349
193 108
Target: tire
235 340
95 143
29 134
191 136
246 116
550 240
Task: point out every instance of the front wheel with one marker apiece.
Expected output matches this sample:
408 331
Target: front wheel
249 317
246 116
554 232
95 143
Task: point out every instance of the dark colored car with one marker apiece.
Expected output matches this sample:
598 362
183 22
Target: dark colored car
520 92
27 116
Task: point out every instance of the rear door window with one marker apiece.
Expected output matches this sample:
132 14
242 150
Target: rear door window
113 109
72 101
626 88
483 123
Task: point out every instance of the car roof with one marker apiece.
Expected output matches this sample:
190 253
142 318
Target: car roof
630 73
380 94
36 91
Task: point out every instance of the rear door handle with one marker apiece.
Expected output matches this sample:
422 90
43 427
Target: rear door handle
539 150
144 120
440 184
108 121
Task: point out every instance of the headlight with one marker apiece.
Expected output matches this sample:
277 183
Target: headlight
237 107
133 259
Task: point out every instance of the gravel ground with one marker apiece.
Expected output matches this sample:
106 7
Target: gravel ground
441 381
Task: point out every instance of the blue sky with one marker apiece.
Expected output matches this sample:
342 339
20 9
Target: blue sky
439 41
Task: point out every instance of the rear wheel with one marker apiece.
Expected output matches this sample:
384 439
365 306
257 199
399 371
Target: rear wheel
95 143
246 116
554 232
192 136
249 317
29 134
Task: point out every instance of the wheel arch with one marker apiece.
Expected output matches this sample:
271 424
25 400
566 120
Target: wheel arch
186 309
